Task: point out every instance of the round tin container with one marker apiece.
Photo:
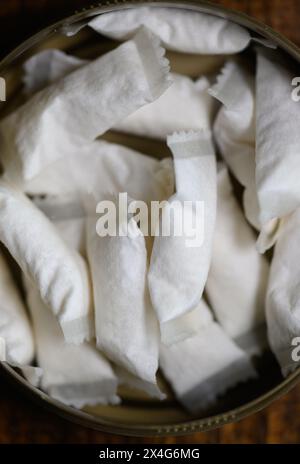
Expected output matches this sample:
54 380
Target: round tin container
138 415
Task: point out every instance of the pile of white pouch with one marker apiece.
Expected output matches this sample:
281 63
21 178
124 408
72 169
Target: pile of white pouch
112 310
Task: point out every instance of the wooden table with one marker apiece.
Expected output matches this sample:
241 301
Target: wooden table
23 422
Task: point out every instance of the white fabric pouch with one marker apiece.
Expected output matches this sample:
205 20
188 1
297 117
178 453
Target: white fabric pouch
16 339
180 30
158 119
237 279
234 131
185 105
203 367
234 127
59 272
277 138
75 375
103 167
180 260
80 107
126 327
283 299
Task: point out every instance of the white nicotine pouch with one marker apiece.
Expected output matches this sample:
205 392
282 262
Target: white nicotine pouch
179 30
59 273
165 115
16 339
102 167
185 105
234 126
126 327
75 375
283 299
277 137
238 275
204 366
182 247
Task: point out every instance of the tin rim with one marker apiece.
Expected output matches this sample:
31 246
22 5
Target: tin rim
192 426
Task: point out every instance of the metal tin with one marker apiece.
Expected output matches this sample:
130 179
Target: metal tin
138 416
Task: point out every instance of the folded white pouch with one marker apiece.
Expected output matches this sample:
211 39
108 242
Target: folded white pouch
234 131
59 272
16 340
277 138
180 261
83 105
126 326
283 298
74 375
237 279
158 119
185 105
205 366
103 167
234 127
181 30
46 67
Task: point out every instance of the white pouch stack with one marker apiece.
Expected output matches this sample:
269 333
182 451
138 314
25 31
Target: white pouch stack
179 264
75 375
59 273
283 298
16 340
205 366
141 297
237 279
180 30
277 138
82 106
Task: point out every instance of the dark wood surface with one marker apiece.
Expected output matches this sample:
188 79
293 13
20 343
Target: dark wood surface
22 421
